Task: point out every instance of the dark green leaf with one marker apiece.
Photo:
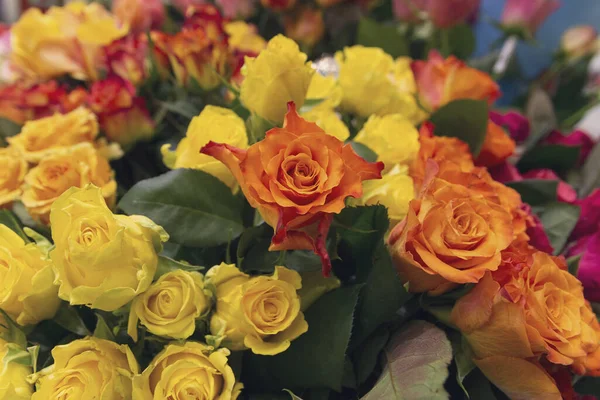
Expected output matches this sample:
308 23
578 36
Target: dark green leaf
463 357
535 191
462 40
8 128
573 264
417 360
590 173
558 220
12 332
478 386
195 208
387 37
257 127
315 359
166 264
539 110
68 318
293 396
364 151
12 222
102 330
367 355
465 119
588 385
553 156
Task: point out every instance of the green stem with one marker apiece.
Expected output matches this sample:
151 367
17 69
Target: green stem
445 37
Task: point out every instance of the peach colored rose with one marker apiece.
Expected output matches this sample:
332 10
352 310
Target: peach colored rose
297 177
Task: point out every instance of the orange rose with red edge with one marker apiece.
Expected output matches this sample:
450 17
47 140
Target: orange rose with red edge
497 147
297 177
440 81
452 235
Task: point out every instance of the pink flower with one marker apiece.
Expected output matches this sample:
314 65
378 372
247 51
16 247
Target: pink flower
505 172
527 14
589 217
447 13
516 124
182 5
408 10
535 230
575 138
589 266
237 9
564 191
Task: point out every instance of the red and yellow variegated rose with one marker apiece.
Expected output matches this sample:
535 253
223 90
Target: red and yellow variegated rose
530 312
139 15
497 147
442 80
122 115
305 25
126 58
297 177
452 235
278 5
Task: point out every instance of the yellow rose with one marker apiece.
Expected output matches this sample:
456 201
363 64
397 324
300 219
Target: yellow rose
216 124
328 120
261 313
171 305
394 190
76 166
189 370
89 368
392 137
44 136
373 83
12 175
13 378
101 259
244 37
27 293
278 75
64 40
325 88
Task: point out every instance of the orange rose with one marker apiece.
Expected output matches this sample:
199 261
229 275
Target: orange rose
439 149
497 147
529 312
441 80
297 177
452 235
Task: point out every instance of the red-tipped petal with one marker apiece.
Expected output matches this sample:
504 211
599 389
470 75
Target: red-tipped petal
365 170
229 155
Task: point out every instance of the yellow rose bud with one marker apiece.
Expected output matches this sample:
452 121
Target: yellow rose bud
171 305
189 370
76 166
27 293
394 190
43 136
261 313
12 175
216 124
325 88
89 368
244 37
278 75
102 260
392 137
329 121
13 377
373 83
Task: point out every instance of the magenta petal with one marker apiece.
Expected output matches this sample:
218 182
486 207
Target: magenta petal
505 172
589 269
516 124
589 219
537 235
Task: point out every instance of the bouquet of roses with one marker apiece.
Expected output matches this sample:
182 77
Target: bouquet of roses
191 211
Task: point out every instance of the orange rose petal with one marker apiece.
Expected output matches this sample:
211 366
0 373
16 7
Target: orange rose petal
474 309
519 379
293 123
363 168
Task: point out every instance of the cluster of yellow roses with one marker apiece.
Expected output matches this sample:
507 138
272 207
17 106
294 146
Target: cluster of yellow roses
106 261
49 156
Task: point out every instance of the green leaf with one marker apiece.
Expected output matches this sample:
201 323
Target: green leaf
417 360
41 241
166 264
465 119
478 386
68 317
34 354
553 156
535 191
463 357
462 40
388 37
315 285
293 396
8 128
366 356
590 172
588 385
539 110
16 354
9 219
257 127
13 333
315 359
195 208
558 220
102 329
364 151
573 264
